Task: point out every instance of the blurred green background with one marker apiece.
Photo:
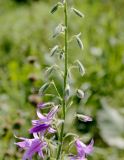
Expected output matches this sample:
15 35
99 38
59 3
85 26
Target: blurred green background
26 28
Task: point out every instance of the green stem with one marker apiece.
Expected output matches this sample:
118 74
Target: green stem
65 82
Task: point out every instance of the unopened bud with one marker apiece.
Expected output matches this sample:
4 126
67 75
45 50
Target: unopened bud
80 67
78 13
84 118
80 93
79 42
54 50
54 9
58 30
67 91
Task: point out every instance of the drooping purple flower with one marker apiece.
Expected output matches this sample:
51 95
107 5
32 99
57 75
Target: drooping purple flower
39 128
44 122
82 150
49 117
32 146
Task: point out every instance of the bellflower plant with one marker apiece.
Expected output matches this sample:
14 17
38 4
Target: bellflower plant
48 129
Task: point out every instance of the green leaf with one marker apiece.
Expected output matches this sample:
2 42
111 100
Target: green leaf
70 134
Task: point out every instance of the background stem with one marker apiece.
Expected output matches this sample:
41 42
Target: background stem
65 81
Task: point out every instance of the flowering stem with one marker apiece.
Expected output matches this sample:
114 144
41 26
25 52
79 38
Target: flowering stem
65 80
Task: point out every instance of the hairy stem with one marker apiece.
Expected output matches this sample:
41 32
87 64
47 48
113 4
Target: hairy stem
65 81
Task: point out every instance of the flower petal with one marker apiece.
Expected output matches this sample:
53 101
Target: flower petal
41 105
51 130
73 157
35 147
80 148
89 148
40 153
52 112
42 117
35 135
83 149
36 122
39 128
24 144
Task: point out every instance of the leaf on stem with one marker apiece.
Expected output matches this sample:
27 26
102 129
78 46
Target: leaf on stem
78 13
80 67
70 134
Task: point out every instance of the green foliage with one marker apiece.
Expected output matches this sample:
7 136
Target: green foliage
24 33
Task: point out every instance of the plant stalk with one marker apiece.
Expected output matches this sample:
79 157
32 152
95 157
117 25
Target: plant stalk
65 80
